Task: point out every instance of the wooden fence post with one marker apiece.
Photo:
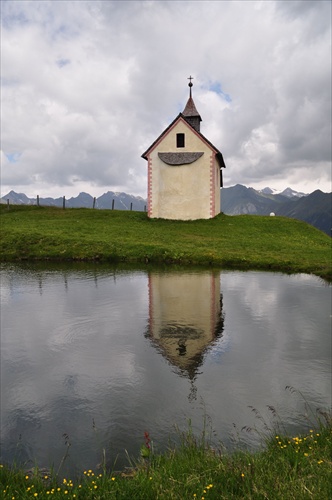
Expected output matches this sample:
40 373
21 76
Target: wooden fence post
64 202
113 204
94 202
37 200
7 203
131 206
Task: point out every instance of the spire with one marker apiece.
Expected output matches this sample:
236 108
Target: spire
190 84
190 112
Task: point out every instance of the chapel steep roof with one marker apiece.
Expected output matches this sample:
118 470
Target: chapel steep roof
180 116
190 109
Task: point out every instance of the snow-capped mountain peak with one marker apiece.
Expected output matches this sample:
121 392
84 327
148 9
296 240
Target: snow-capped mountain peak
288 192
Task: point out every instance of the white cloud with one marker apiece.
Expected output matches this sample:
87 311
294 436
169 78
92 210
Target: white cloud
88 86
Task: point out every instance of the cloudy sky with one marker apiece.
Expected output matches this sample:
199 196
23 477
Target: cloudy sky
87 86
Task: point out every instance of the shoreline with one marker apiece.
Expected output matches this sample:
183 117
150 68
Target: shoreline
288 467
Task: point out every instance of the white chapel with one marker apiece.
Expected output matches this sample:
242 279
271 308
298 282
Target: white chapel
184 170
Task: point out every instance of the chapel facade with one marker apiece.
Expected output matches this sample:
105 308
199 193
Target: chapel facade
184 170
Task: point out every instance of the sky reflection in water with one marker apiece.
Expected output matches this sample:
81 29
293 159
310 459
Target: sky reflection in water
104 355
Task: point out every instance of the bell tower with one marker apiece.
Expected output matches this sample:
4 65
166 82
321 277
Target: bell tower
190 112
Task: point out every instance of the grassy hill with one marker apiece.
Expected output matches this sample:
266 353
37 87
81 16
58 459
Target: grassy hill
314 208
232 242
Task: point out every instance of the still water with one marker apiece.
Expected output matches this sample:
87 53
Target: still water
97 356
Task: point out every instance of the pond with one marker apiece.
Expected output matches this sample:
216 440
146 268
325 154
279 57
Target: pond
94 356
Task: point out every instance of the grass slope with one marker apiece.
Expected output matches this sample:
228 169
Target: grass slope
238 242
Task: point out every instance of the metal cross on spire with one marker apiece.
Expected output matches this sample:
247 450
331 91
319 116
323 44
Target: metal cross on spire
190 84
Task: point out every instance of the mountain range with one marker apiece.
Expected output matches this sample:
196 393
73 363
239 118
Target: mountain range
314 208
109 200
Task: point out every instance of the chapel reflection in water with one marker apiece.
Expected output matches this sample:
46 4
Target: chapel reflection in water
185 317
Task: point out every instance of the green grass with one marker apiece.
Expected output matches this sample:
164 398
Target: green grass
296 467
232 242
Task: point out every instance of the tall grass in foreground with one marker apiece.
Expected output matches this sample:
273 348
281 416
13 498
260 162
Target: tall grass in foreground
297 467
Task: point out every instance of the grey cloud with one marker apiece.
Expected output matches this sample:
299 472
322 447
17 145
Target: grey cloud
313 16
301 8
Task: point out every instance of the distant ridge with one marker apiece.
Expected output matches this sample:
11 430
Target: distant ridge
314 208
122 201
